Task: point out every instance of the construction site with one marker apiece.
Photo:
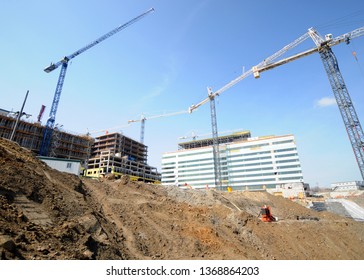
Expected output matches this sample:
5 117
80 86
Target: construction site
49 215
224 197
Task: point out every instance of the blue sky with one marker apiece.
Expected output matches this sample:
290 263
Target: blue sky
164 63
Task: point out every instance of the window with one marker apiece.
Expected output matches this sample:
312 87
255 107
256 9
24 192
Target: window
69 165
165 157
283 142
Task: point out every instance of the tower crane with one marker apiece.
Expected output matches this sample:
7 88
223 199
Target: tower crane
211 97
143 119
64 63
323 46
343 99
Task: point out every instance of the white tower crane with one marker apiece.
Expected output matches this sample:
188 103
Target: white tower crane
323 46
143 119
343 99
212 95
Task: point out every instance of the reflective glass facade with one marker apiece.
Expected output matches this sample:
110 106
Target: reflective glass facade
252 163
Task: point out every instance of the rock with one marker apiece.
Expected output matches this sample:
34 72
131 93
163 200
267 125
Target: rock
124 180
7 243
110 176
88 254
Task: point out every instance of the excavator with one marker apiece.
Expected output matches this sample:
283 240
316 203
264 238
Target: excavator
266 214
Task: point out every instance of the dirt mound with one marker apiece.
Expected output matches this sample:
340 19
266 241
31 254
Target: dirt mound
46 214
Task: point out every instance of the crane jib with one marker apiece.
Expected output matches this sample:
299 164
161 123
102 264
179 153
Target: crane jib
47 135
97 41
323 46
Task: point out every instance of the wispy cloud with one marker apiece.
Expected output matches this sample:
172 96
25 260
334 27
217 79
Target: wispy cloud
167 78
325 102
158 89
188 22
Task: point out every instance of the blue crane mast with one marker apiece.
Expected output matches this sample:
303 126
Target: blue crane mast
47 136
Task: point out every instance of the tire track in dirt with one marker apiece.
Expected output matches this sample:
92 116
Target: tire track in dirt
107 207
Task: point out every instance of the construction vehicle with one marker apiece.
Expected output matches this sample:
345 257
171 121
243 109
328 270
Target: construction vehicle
46 141
343 99
266 214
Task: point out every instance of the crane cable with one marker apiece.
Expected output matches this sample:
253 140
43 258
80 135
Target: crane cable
347 20
354 53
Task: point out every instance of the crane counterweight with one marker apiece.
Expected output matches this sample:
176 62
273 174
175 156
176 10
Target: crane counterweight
50 68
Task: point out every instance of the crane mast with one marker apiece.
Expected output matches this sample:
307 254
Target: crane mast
215 142
142 127
342 97
47 135
346 107
211 98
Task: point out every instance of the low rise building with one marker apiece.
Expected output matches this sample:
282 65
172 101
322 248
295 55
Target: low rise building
290 190
347 186
71 166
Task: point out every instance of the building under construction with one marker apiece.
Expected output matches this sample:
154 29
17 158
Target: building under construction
110 153
29 135
117 154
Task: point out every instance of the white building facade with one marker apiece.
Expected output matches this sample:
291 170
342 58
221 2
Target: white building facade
259 162
72 166
347 186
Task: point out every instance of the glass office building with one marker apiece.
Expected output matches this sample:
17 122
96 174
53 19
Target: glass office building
246 162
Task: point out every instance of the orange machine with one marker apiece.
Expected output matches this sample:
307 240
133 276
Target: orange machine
266 214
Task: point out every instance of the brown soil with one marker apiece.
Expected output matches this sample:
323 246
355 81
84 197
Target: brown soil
46 214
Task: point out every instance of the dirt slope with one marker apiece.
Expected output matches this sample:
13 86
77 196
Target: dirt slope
45 214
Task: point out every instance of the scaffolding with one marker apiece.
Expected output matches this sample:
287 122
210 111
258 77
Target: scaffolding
29 135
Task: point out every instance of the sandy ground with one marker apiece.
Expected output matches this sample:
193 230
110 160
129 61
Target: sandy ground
46 214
